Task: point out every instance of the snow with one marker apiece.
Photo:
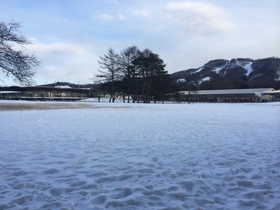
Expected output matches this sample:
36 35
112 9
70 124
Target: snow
62 86
278 74
218 69
141 156
198 70
204 79
182 80
246 65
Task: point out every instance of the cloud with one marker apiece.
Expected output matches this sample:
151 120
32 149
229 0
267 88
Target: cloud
121 17
199 18
109 17
141 13
115 2
56 48
106 16
64 62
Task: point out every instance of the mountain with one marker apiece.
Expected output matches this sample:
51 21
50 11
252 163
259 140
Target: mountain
72 85
233 74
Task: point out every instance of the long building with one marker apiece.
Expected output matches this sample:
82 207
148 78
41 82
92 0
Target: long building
66 93
232 95
44 93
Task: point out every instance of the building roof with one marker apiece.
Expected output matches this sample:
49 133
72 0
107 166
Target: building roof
271 92
44 88
62 86
253 91
9 92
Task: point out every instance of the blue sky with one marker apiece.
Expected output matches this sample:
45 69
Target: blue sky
70 35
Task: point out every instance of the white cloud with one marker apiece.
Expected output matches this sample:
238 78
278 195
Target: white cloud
56 48
141 13
106 16
64 62
50 69
199 18
200 8
121 17
115 2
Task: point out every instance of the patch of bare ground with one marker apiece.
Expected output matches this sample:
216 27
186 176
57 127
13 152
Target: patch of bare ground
51 106
41 106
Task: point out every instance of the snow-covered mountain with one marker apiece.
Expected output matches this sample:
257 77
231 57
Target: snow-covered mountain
235 73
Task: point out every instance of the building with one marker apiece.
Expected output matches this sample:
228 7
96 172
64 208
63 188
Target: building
66 93
44 93
232 95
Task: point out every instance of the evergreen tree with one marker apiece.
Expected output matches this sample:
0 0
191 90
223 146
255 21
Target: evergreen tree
141 75
151 71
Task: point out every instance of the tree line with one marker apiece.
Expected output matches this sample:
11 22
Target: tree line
138 76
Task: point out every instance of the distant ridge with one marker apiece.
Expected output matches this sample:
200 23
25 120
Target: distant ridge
235 73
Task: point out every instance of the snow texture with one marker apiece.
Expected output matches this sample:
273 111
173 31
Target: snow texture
247 65
136 156
182 80
218 69
204 79
278 74
198 70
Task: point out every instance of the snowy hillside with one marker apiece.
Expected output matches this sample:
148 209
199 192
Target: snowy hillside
235 73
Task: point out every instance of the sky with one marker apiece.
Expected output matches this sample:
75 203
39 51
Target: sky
69 36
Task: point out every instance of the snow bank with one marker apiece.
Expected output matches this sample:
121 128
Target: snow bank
152 156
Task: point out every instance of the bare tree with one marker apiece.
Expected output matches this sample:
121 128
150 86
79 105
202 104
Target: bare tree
128 71
191 86
110 65
13 61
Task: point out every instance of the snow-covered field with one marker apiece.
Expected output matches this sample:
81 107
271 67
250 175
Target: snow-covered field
141 156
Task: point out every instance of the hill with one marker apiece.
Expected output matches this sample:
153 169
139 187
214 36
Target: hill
235 73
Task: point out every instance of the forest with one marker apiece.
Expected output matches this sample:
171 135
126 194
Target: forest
138 76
